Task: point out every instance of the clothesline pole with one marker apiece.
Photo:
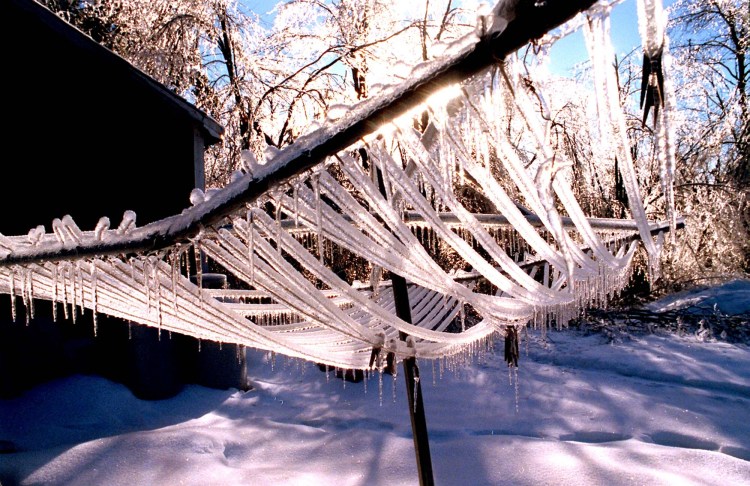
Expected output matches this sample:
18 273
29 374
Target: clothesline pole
414 390
411 371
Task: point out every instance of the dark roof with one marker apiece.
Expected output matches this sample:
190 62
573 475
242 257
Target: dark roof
31 12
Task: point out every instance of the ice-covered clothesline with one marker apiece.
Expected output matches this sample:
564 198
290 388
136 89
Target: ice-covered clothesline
259 250
355 202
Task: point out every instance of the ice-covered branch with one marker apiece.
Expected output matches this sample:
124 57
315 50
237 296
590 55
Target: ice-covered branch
528 20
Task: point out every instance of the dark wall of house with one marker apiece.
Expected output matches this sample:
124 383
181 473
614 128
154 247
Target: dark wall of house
85 135
81 137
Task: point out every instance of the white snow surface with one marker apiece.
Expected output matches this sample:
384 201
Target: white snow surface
652 409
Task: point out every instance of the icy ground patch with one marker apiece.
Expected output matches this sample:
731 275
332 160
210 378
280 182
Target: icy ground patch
654 408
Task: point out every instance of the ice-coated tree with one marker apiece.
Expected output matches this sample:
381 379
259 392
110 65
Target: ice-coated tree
709 44
709 71
267 83
711 38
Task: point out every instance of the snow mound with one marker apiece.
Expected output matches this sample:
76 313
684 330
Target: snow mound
731 298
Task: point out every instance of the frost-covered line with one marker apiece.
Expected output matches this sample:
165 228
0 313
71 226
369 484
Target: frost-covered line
333 281
488 242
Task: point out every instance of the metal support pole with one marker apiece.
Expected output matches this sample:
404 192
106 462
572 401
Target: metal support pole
411 370
414 390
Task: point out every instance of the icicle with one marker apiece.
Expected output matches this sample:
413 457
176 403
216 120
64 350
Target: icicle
516 387
412 347
30 291
82 286
375 279
250 245
185 254
666 137
147 285
73 301
380 386
35 236
387 184
128 222
546 173
599 43
71 229
415 398
280 230
157 291
511 346
318 215
23 295
174 262
12 285
65 292
58 230
198 266
393 387
94 297
651 25
54 293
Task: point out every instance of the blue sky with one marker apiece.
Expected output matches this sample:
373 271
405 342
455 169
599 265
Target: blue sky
261 7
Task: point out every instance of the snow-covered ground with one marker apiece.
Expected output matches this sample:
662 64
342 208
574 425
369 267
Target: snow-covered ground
645 408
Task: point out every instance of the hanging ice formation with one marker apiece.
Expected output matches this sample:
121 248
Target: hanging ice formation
613 127
657 92
392 203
